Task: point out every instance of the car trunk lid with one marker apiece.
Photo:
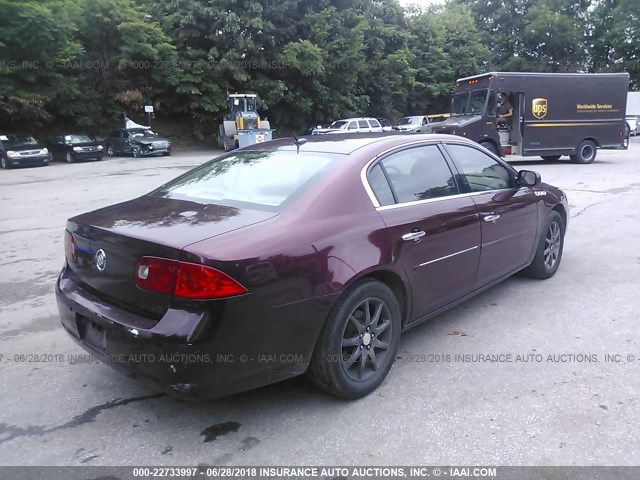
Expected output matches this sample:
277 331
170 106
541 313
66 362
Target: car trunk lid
110 242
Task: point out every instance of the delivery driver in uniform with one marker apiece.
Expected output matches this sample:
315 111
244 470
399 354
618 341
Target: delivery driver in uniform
505 111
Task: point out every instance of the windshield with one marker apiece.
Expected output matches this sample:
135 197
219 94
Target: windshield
410 120
142 132
72 139
13 140
459 103
262 178
338 124
469 103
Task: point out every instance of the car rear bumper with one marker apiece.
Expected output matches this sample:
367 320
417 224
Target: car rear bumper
231 346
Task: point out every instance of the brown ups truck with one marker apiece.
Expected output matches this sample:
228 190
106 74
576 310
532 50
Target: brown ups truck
553 114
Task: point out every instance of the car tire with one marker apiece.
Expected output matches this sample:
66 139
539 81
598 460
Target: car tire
491 147
4 164
166 154
551 158
68 157
136 152
359 341
110 151
549 249
585 153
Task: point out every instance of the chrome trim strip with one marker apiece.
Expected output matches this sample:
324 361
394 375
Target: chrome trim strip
445 257
420 202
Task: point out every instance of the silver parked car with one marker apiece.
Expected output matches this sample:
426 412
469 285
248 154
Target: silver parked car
414 123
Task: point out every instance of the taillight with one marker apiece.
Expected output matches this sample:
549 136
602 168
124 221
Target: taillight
70 247
185 280
157 274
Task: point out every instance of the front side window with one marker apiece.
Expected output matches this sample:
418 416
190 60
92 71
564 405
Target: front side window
480 171
419 173
264 179
353 126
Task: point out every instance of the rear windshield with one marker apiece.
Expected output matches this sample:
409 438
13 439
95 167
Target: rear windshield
266 179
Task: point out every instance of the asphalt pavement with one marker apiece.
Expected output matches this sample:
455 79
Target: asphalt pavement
528 373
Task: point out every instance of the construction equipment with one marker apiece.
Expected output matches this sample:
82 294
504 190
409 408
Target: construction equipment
243 126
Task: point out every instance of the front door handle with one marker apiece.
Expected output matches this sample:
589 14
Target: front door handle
413 236
492 217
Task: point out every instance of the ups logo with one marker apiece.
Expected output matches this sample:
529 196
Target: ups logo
539 108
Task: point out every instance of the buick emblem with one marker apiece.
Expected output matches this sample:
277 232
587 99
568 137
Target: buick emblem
101 260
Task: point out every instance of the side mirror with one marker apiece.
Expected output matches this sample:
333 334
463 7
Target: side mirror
528 178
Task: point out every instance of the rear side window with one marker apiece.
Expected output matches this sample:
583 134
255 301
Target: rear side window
380 186
374 123
363 124
480 171
265 179
419 173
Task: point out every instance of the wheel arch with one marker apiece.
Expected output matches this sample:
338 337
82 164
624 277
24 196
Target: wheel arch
591 139
561 210
492 143
395 282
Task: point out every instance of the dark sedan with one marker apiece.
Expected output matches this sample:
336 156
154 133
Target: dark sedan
139 142
22 150
301 255
75 147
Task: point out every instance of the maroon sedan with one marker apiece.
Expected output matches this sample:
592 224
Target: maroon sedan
301 255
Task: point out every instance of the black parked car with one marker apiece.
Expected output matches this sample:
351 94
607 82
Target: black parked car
138 142
17 150
74 147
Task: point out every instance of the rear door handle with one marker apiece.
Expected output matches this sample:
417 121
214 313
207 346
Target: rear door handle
413 236
492 217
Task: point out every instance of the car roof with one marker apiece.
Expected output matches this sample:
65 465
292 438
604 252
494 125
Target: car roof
349 143
355 118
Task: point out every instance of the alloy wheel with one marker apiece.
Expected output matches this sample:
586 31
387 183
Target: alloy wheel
552 244
366 339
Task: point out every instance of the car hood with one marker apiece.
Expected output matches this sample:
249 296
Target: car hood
455 122
171 222
327 130
23 147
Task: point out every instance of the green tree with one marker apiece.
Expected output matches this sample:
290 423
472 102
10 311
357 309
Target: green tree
36 41
615 38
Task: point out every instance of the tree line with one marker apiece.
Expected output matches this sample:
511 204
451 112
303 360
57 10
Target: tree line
83 63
